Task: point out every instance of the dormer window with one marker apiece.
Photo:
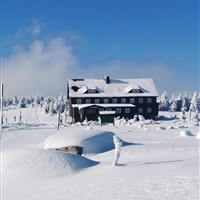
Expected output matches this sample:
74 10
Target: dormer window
92 91
136 91
75 88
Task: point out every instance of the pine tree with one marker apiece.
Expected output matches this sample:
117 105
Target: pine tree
173 107
164 104
195 103
22 103
185 103
179 102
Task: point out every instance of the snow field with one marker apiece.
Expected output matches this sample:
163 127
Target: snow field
158 165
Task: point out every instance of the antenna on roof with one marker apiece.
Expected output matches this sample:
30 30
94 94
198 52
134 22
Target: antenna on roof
107 79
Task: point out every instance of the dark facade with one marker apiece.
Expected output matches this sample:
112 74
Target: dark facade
127 107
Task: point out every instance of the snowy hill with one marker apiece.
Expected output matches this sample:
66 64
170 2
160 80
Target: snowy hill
160 163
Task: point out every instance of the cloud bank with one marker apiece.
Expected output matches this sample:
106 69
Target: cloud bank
41 69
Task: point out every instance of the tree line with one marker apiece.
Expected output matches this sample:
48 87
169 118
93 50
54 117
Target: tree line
180 102
52 105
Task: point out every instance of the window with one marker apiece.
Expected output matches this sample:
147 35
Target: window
132 100
127 110
123 100
114 100
96 100
149 110
118 110
140 110
140 100
136 91
78 101
149 100
88 101
91 111
91 91
105 100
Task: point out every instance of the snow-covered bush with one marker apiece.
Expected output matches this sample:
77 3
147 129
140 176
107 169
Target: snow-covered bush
140 125
141 118
117 150
185 133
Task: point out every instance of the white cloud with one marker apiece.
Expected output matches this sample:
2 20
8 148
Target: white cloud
42 69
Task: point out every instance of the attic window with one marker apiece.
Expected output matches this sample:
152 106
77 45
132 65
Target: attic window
136 91
75 88
92 91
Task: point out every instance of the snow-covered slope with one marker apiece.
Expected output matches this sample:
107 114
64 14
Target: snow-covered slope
35 164
160 164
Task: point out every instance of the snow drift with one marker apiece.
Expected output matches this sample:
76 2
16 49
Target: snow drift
92 141
42 163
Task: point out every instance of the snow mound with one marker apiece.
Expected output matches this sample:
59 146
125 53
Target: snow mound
92 141
198 135
42 163
185 133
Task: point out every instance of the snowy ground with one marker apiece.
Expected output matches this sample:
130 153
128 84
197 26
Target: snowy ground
160 165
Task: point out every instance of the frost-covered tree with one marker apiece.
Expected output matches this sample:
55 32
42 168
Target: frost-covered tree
173 107
164 104
22 102
179 102
46 106
61 104
15 101
185 103
195 103
37 100
56 105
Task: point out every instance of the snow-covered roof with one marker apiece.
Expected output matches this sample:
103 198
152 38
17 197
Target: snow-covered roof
108 105
116 87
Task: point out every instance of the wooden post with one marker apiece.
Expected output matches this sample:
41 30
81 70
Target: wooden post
58 119
1 113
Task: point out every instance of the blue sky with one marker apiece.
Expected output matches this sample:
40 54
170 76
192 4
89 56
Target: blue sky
91 38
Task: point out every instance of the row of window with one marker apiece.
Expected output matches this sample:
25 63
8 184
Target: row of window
128 110
119 110
114 100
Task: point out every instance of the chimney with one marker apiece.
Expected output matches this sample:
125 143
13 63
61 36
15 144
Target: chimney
107 79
